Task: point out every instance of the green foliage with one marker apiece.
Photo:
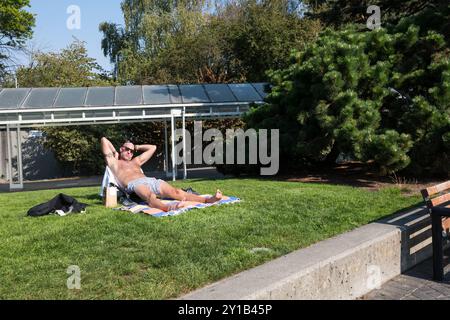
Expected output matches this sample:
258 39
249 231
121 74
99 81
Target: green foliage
15 22
341 12
72 67
260 35
188 42
15 28
160 42
377 95
78 148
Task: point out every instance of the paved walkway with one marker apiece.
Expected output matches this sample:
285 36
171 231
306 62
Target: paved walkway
415 284
198 173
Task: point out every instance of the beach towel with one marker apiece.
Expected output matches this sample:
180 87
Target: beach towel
143 208
134 205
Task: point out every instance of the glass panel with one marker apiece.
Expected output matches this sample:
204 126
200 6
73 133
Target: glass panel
71 97
129 113
204 109
33 116
41 98
244 108
68 115
193 93
260 87
98 97
156 95
129 96
157 111
245 92
219 93
9 117
227 109
11 98
99 114
175 96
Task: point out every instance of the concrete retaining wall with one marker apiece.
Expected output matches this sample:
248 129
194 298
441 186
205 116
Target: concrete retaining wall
344 267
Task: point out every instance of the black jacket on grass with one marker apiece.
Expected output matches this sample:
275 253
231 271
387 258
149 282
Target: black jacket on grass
61 202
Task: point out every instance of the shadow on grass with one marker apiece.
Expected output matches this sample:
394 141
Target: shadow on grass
336 180
94 196
399 213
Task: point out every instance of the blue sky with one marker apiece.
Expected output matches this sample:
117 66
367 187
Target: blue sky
52 34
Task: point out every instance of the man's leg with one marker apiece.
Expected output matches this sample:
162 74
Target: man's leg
168 191
143 191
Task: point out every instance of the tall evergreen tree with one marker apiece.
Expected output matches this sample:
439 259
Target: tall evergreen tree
372 95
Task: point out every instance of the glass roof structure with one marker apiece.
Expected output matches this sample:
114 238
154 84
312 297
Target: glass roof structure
60 106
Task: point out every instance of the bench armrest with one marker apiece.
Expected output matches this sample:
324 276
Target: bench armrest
441 211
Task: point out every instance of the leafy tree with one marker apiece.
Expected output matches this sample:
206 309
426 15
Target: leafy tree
15 28
260 35
72 67
375 95
188 41
146 48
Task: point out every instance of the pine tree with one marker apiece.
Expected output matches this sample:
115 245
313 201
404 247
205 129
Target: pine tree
374 95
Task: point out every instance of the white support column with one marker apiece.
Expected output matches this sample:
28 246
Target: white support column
19 157
184 145
174 113
8 147
12 185
166 150
2 155
172 131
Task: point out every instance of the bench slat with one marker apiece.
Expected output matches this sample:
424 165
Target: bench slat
428 192
438 200
446 224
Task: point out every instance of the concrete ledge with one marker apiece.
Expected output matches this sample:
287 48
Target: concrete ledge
343 267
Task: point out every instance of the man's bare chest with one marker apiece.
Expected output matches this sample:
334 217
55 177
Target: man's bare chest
129 166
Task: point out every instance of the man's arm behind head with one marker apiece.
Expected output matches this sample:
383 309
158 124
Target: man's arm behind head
109 152
148 152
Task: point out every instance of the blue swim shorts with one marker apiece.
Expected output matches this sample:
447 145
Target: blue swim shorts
152 183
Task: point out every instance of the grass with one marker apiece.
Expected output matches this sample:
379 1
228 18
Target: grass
126 256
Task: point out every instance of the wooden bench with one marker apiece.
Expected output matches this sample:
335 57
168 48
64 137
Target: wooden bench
437 199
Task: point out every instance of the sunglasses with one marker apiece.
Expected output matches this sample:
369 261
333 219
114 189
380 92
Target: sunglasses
128 149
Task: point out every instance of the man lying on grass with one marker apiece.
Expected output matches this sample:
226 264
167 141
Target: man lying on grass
127 170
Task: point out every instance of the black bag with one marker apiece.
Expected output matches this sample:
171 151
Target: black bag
190 190
61 202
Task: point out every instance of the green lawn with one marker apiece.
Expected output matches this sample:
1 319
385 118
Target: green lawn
126 256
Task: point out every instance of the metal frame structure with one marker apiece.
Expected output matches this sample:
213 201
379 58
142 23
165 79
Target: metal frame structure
42 107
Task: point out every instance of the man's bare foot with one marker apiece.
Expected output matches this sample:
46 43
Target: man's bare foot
217 197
